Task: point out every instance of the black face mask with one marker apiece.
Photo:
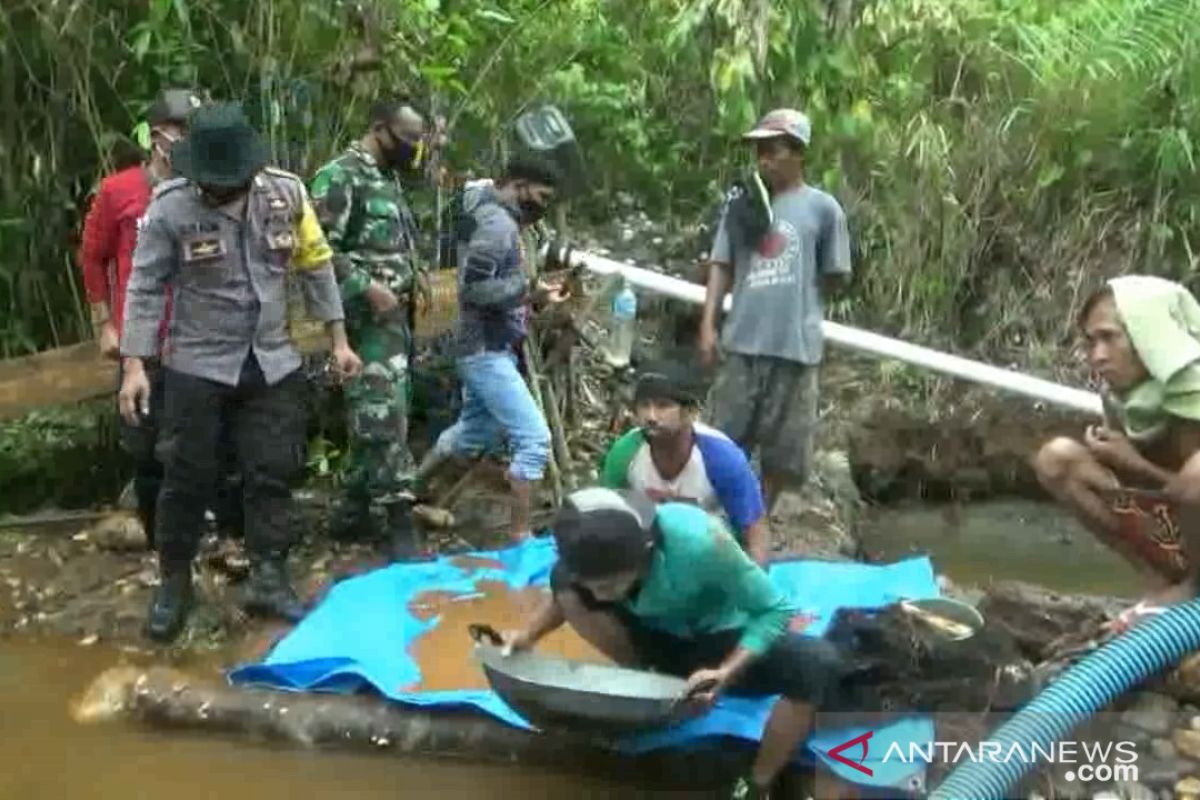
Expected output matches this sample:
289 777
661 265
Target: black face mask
402 156
531 211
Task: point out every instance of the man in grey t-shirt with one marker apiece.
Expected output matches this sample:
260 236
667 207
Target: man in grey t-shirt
765 396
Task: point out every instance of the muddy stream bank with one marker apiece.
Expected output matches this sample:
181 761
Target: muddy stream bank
72 606
47 755
51 756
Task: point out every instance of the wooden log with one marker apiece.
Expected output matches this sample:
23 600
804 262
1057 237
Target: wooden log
56 377
166 698
1044 623
76 373
897 663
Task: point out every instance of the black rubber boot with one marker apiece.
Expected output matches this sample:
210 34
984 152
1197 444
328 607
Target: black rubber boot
270 594
349 520
146 516
171 604
405 542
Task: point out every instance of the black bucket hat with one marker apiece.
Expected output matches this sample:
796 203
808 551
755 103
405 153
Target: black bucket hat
222 148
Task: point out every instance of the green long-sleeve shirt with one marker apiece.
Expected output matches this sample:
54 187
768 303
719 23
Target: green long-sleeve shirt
701 581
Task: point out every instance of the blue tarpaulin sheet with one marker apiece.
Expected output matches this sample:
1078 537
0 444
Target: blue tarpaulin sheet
360 635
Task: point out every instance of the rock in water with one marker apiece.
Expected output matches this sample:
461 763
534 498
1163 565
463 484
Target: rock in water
120 532
1163 749
1151 712
1185 680
1162 774
107 697
1187 741
1136 791
1188 788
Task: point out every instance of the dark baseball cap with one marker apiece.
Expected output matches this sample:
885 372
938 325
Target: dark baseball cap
174 105
602 532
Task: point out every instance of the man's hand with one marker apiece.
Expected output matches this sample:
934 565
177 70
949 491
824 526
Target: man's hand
381 298
517 642
134 398
1111 448
707 344
346 363
552 292
705 684
110 346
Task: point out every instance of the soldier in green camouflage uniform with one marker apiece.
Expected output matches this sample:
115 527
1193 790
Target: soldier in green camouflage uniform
360 203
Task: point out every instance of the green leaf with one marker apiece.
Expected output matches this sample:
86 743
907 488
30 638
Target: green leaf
141 44
159 11
495 16
181 12
434 72
141 134
1050 175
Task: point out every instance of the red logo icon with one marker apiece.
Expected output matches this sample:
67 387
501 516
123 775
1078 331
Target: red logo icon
836 753
773 245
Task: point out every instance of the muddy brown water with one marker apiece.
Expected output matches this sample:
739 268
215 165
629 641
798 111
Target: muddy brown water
48 755
1009 539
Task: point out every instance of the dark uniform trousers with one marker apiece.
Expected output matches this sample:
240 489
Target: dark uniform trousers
266 428
140 443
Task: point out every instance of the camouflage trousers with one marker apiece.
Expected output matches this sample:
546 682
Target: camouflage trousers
379 463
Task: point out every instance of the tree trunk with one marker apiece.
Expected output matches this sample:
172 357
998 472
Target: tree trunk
166 698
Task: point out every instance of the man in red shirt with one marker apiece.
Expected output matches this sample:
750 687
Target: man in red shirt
106 257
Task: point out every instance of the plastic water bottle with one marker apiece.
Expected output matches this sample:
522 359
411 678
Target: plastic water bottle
621 334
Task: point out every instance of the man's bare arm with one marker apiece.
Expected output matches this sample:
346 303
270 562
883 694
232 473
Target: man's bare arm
719 280
758 541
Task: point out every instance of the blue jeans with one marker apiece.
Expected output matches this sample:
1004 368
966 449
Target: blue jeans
497 405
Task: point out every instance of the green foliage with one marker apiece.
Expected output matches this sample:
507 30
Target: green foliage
995 156
65 457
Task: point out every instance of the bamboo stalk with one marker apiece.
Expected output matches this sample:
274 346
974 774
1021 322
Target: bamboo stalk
562 452
535 384
571 395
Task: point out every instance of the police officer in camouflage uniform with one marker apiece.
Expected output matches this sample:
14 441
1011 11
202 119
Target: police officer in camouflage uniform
359 200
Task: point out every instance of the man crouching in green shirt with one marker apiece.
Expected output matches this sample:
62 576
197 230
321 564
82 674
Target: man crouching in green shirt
670 589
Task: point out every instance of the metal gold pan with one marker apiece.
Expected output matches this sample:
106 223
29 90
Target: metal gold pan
552 692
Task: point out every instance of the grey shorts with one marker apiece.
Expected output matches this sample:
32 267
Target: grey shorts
768 405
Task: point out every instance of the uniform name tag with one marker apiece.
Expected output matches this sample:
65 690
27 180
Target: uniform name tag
203 248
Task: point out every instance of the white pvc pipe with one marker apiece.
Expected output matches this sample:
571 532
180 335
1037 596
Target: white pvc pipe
976 371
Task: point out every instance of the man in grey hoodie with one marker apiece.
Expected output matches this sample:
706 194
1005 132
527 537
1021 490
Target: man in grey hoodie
494 303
